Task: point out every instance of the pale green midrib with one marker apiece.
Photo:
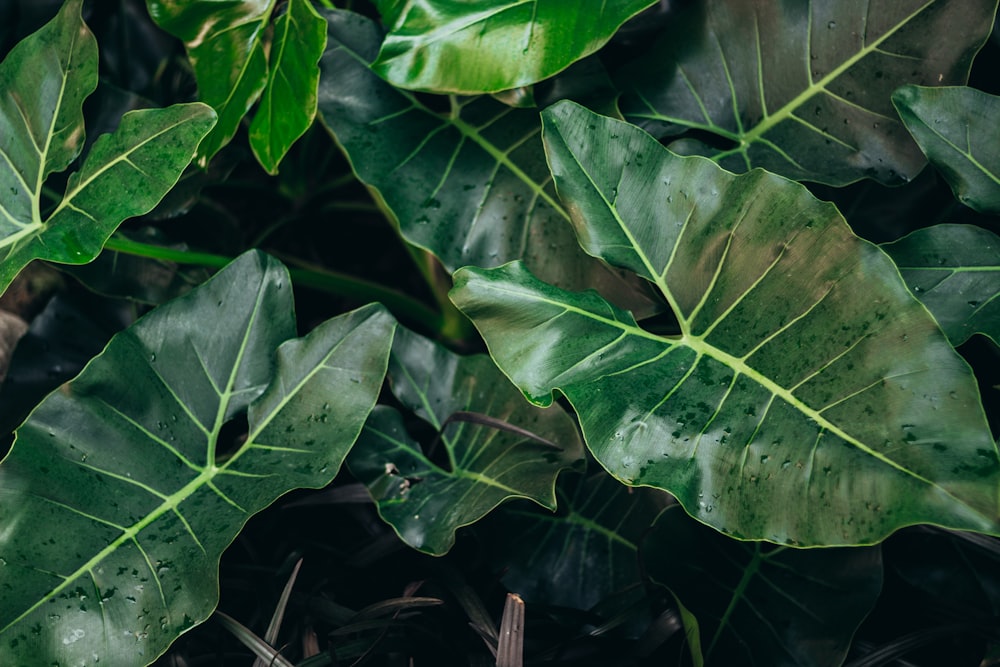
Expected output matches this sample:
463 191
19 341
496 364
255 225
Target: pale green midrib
967 154
953 269
170 503
790 107
591 525
702 349
749 572
123 157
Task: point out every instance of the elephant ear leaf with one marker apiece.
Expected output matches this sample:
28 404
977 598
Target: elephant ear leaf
805 376
45 80
802 88
123 488
958 128
490 445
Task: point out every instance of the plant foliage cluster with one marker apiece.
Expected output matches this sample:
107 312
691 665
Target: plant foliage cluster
677 320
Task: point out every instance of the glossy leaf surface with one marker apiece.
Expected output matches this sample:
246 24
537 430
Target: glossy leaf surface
803 88
955 271
487 47
122 491
805 377
587 551
471 186
45 79
767 605
288 102
225 45
504 447
958 128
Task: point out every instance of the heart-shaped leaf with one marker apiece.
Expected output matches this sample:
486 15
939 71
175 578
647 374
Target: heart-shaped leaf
225 46
122 491
958 129
955 271
486 47
803 88
586 552
45 79
805 376
762 605
288 102
496 445
469 185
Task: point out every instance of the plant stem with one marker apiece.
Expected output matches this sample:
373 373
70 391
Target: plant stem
304 275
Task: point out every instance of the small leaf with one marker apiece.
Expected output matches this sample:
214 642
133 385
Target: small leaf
471 186
803 88
224 43
126 173
422 500
288 102
955 271
958 129
805 375
487 47
120 494
758 605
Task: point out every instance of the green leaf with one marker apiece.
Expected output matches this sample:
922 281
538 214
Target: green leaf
470 185
487 47
500 447
803 88
224 43
805 376
586 552
288 103
760 605
955 271
46 78
121 491
958 129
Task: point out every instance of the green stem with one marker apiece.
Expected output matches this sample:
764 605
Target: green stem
304 275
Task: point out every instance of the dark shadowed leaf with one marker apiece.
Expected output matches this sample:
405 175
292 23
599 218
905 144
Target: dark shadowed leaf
586 552
486 47
761 605
511 450
470 184
803 88
123 489
955 271
45 80
805 377
958 128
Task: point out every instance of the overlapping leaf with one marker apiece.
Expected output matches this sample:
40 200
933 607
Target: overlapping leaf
764 606
486 47
955 271
958 128
45 79
586 552
803 88
805 376
230 50
121 493
469 185
501 447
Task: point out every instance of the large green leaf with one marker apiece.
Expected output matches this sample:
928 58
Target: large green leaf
805 376
486 47
502 448
121 491
225 45
45 79
762 605
958 128
469 185
955 271
288 103
583 554
803 88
